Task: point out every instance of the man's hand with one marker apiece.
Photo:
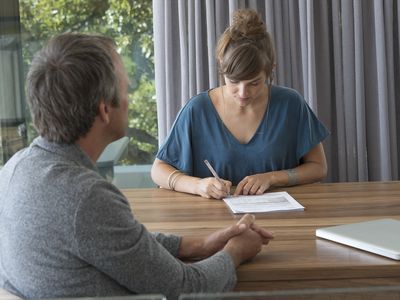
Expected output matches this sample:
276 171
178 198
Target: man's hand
196 248
217 240
246 245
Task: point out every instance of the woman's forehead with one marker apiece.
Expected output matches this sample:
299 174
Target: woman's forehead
260 75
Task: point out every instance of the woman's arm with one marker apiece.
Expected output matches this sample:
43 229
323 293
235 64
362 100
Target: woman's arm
168 177
314 168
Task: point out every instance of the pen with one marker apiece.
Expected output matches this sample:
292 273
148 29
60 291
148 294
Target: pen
214 173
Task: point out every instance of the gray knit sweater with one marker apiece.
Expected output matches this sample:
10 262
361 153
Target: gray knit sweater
66 232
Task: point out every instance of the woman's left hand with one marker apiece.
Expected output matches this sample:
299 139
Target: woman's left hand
254 184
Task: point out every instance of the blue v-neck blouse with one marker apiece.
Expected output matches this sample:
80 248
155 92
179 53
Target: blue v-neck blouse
288 130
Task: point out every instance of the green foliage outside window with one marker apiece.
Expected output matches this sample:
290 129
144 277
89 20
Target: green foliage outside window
129 23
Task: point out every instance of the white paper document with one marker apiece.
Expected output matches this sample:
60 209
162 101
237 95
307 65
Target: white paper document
278 201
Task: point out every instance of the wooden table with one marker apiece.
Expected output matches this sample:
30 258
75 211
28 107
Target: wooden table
295 258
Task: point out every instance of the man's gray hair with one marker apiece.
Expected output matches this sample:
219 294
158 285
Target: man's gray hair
66 82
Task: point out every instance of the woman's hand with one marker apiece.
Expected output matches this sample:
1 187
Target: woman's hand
255 184
212 188
312 169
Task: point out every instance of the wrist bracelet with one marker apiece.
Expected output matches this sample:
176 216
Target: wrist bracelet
175 180
170 177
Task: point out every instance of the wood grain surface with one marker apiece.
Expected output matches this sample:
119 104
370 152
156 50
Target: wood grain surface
295 258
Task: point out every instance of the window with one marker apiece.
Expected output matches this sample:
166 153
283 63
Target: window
25 25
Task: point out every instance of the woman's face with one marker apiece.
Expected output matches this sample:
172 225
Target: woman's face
245 92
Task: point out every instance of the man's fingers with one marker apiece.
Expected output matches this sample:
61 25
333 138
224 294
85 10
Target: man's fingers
231 231
244 223
265 234
247 219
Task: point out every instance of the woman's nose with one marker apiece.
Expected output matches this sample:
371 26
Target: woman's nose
242 90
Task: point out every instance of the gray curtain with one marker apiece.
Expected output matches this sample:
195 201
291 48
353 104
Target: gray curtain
342 55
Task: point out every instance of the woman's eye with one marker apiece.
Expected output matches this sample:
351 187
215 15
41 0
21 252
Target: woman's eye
233 81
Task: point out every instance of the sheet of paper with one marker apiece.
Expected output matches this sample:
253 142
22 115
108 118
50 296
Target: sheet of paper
278 201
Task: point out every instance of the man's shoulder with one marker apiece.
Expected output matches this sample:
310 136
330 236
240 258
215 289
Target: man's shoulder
42 174
19 163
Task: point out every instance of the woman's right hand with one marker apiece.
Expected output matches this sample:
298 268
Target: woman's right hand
211 187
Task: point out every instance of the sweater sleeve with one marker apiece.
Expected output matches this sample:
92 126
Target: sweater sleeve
169 242
109 237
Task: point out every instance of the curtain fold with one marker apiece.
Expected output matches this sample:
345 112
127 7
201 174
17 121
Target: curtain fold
342 55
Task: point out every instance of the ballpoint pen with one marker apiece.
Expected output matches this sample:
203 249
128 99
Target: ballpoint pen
214 173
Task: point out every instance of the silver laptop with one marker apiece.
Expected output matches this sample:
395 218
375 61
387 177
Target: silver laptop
380 236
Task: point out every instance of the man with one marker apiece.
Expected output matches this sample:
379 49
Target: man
67 232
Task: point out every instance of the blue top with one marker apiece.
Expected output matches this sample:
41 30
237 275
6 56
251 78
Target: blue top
289 129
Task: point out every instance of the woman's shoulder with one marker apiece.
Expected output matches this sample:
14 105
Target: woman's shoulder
198 102
287 97
199 98
279 91
196 106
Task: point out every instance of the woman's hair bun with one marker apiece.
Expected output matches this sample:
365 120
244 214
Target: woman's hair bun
245 48
247 25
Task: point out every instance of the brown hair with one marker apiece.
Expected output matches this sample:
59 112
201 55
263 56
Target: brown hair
66 82
245 48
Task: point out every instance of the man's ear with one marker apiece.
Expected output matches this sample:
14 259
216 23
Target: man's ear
104 112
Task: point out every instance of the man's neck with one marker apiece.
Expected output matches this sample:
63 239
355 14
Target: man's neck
92 148
94 142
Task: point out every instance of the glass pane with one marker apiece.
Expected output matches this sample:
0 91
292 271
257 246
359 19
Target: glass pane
27 24
12 99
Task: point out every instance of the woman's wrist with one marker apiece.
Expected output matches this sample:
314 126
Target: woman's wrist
187 184
293 178
279 178
196 186
275 180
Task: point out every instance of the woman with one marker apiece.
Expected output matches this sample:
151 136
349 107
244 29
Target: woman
256 135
